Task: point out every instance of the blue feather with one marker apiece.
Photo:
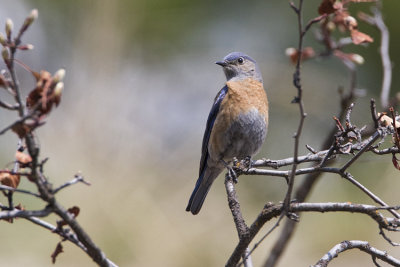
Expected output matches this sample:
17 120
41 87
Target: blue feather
204 153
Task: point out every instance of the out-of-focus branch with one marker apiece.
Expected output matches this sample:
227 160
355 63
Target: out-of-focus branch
361 245
377 20
8 106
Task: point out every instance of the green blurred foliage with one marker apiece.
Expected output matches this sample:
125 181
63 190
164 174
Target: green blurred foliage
139 85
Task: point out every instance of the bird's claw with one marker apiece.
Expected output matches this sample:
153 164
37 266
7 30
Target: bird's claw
293 216
233 175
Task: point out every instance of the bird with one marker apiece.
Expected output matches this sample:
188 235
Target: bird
236 126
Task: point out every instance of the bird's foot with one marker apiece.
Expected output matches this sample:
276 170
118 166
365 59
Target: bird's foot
247 162
293 216
242 165
233 175
233 171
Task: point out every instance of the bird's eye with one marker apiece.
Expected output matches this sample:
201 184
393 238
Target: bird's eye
240 60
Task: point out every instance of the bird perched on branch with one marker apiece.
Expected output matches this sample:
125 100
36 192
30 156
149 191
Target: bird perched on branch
236 126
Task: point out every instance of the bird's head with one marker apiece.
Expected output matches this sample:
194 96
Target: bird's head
239 66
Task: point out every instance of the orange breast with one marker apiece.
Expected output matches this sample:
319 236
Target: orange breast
242 96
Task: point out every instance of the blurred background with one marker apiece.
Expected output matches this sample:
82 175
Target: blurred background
140 82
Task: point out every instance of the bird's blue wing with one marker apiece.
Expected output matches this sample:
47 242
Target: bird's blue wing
200 190
210 123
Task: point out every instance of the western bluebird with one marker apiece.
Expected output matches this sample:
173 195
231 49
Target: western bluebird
236 126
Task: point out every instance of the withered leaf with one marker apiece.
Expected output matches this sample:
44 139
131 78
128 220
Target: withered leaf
395 162
388 121
58 250
22 128
19 207
3 82
74 211
39 95
358 37
8 179
326 7
349 56
293 53
23 158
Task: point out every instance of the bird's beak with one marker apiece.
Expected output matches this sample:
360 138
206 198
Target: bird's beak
222 63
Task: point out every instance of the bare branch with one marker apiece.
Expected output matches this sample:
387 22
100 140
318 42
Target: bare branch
299 100
361 245
377 20
16 213
8 106
8 188
78 179
241 227
372 140
271 211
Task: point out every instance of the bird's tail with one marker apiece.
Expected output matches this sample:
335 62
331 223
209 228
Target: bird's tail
201 189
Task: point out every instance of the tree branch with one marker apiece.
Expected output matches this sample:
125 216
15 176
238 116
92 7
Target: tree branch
361 245
377 20
241 227
48 86
272 210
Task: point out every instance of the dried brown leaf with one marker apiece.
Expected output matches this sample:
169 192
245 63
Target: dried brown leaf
74 211
19 207
388 121
27 126
3 81
57 251
395 162
358 37
8 179
20 129
23 158
293 53
326 7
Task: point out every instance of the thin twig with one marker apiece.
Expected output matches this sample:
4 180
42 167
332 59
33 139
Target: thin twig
8 188
241 226
361 245
68 235
8 106
78 179
377 20
374 137
299 100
